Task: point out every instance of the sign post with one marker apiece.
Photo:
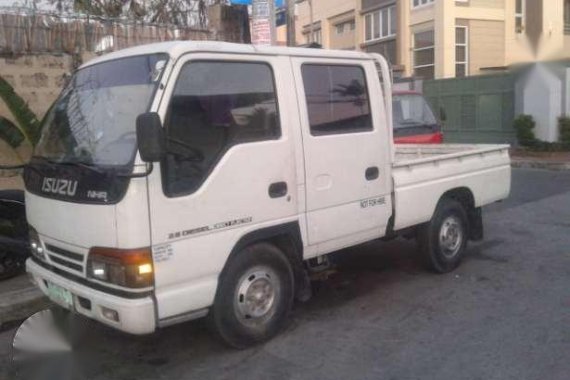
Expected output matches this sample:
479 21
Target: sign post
263 22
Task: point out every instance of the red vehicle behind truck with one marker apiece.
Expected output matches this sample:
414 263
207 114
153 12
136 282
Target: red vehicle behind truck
414 119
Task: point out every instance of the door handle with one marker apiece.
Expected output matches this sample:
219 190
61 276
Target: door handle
277 189
372 173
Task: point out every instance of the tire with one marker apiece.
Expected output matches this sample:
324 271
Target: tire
254 296
443 240
12 263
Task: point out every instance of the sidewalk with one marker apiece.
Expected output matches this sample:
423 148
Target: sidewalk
19 299
540 160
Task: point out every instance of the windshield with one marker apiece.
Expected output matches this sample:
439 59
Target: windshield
411 111
93 120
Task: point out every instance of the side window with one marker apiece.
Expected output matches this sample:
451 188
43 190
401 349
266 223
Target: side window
337 99
215 105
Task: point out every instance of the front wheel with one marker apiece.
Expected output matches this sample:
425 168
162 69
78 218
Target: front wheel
254 297
443 240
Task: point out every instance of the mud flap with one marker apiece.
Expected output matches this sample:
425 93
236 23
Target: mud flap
476 224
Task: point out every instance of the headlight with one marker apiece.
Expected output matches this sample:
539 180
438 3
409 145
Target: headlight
131 268
36 245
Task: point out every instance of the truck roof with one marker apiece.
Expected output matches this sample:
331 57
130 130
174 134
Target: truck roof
177 48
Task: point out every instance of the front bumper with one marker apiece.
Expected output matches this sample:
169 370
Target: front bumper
136 316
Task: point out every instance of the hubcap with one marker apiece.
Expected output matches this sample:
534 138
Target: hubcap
256 293
450 236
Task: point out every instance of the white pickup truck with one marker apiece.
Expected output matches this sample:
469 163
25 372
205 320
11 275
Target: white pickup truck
180 180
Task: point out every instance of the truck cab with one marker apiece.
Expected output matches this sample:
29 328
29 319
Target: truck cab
180 180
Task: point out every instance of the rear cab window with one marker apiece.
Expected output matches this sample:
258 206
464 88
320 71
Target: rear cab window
337 99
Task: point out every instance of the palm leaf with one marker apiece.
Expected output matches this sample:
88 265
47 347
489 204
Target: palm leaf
25 117
10 133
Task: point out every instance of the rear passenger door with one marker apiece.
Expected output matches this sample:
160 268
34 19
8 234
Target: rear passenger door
346 160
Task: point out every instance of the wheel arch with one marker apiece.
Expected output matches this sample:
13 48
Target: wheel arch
286 237
465 196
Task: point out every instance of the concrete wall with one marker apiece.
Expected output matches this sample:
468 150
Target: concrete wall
486 45
540 94
499 4
345 40
323 11
38 79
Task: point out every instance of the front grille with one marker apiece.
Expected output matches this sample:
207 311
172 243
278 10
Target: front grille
65 263
63 257
67 254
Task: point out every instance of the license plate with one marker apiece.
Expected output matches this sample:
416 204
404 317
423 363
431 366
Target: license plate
60 295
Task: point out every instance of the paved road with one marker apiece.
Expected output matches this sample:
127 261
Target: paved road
504 314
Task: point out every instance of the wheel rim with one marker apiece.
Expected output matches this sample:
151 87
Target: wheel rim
256 294
451 236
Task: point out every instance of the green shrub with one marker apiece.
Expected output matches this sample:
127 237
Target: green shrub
524 126
564 129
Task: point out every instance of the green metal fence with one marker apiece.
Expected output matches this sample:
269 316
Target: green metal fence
479 109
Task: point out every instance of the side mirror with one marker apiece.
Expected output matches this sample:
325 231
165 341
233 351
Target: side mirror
442 114
150 137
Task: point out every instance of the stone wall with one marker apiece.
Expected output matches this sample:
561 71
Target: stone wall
38 80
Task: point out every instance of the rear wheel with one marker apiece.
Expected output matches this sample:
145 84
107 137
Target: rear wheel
443 240
254 297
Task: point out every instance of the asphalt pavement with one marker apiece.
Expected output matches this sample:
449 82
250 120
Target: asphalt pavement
504 314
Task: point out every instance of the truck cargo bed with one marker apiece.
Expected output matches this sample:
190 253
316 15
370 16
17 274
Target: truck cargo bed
411 154
422 174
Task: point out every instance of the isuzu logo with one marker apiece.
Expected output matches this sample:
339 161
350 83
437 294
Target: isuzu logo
59 186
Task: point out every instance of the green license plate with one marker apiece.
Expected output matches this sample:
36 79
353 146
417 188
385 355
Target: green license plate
60 295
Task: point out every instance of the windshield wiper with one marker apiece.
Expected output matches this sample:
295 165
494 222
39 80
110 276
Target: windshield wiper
95 168
70 163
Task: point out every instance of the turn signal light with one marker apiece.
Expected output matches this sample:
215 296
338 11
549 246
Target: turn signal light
131 268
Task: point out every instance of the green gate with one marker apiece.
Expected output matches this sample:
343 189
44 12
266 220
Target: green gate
478 109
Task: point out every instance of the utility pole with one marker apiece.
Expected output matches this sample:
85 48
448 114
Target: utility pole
291 20
312 28
291 23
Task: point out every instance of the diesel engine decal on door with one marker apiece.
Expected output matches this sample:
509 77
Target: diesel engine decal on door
216 226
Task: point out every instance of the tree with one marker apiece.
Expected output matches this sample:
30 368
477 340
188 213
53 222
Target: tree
27 126
177 12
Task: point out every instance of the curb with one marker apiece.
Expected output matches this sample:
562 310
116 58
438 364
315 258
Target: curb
21 303
526 164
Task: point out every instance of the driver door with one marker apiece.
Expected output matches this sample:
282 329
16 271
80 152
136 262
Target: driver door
228 149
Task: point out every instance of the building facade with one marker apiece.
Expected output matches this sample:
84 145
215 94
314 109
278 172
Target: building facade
441 38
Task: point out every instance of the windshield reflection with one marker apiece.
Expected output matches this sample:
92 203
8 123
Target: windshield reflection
93 120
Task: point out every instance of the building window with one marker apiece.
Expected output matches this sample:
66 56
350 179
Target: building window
337 99
424 54
344 27
380 24
419 3
461 51
519 15
317 37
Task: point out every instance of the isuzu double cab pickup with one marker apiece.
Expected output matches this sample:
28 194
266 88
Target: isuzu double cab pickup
180 180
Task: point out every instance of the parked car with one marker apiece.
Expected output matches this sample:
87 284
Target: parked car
14 248
414 119
250 165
